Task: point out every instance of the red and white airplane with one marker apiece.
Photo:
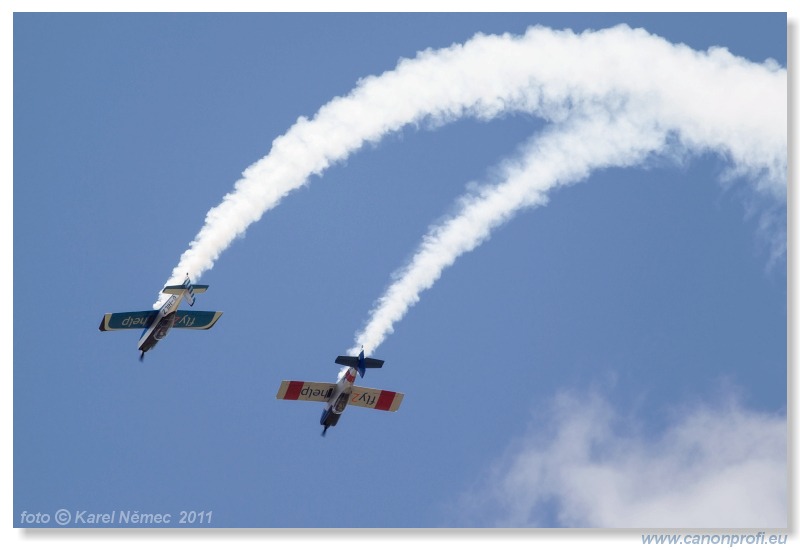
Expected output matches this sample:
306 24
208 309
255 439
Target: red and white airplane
337 396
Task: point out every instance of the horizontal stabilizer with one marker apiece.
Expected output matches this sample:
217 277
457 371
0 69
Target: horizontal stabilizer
178 289
197 320
350 361
128 319
381 400
305 391
187 289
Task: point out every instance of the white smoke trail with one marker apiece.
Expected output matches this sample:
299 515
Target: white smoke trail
546 73
594 136
564 155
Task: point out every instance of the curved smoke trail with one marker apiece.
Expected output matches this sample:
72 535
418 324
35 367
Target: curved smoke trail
559 157
596 136
547 73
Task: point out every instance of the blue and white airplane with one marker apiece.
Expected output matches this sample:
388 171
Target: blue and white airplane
157 322
337 396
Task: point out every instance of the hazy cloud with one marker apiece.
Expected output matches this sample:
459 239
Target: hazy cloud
583 464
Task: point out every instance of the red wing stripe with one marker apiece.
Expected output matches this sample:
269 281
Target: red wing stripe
293 391
385 400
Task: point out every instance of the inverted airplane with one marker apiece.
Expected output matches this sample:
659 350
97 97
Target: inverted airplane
156 323
337 396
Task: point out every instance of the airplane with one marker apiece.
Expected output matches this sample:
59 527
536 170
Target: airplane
157 322
337 396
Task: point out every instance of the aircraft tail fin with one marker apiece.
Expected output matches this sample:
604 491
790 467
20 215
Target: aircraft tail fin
187 289
359 363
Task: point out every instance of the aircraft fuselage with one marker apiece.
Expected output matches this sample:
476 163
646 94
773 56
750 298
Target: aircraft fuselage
338 400
160 326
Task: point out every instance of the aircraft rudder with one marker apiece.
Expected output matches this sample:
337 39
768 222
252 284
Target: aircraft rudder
361 364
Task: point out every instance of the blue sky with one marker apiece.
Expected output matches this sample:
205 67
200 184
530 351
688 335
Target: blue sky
641 304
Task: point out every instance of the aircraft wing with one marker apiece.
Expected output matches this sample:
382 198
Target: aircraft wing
305 391
382 400
197 320
128 319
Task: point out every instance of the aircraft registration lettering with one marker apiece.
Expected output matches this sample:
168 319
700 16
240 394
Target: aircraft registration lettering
169 303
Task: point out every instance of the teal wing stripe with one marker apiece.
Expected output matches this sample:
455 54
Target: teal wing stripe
197 320
128 320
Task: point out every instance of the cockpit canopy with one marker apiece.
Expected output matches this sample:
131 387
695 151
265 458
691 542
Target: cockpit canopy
341 403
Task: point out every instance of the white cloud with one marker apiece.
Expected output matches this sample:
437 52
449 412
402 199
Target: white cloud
712 467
